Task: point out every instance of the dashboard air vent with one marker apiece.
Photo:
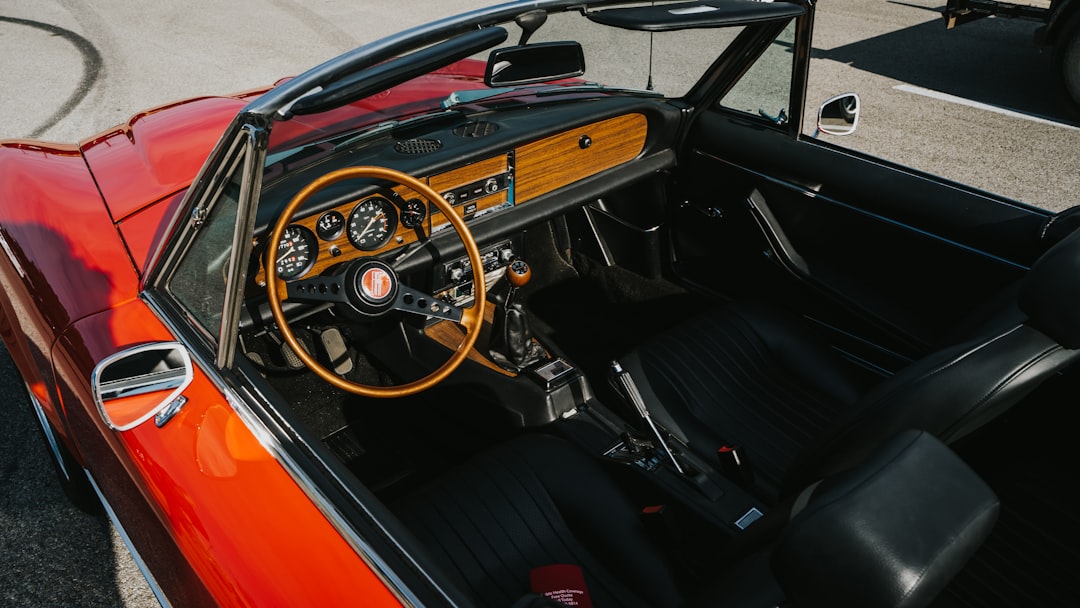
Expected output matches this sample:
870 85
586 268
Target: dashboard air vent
417 146
476 129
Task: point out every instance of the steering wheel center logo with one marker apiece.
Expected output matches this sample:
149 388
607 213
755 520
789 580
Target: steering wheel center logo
377 284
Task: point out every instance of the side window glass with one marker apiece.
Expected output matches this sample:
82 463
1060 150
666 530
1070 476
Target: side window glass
765 89
199 280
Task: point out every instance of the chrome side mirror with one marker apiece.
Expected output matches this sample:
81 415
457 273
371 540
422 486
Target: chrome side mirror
839 115
140 382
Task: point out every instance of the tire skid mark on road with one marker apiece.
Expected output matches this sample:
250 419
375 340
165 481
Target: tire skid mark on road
92 65
328 30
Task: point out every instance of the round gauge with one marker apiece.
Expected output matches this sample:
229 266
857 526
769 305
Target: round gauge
413 214
372 223
296 252
330 225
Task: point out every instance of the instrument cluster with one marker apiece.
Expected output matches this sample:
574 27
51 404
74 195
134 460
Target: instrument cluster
368 225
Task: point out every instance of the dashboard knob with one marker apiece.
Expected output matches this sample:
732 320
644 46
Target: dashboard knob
491 186
505 255
457 273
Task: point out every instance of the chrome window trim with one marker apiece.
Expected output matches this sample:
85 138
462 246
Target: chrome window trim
254 143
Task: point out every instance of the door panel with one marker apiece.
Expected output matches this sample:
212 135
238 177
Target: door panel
870 248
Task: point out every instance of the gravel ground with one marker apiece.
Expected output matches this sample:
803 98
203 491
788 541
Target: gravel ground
72 68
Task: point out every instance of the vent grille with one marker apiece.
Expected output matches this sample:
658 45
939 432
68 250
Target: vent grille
417 146
476 129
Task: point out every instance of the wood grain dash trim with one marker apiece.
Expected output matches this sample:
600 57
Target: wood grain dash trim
560 160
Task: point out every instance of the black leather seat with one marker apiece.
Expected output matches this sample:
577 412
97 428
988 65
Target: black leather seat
891 532
758 377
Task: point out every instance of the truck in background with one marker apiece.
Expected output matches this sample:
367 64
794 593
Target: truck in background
1059 33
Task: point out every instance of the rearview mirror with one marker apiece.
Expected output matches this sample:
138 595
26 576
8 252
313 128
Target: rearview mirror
515 65
839 115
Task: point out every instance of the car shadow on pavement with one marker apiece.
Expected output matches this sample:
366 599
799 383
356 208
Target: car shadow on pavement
53 553
992 61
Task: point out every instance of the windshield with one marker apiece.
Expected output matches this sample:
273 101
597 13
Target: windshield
617 61
667 63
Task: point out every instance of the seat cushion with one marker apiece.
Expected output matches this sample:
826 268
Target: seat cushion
749 375
537 501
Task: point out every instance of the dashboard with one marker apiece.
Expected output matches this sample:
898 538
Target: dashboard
380 221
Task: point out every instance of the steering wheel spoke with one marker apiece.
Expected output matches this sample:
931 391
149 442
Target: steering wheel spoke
420 303
317 290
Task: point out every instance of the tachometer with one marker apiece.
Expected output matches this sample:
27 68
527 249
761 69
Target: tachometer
372 223
296 252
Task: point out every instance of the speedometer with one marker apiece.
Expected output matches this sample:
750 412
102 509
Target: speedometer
296 252
372 223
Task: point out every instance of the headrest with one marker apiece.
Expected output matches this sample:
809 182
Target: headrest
1050 292
892 531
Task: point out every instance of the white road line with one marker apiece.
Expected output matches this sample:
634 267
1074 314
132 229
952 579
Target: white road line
907 88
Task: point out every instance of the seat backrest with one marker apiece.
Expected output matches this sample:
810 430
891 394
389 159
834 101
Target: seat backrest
892 531
1051 291
955 390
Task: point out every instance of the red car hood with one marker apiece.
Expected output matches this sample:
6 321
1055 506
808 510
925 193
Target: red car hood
143 167
157 152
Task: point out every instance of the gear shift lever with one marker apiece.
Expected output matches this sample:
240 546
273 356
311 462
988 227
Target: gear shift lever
518 275
512 344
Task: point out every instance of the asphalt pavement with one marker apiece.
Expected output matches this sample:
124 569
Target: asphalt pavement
72 68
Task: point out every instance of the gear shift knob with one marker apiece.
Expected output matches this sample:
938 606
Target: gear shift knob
518 273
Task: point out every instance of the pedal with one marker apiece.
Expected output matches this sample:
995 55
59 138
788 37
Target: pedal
291 358
337 353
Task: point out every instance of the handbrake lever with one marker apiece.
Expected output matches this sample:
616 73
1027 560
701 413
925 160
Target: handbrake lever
624 383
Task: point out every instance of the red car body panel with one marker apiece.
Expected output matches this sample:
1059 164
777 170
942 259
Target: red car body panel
73 295
63 259
158 152
143 230
235 517
216 517
145 166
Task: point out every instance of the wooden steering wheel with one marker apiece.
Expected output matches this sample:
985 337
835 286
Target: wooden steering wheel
371 287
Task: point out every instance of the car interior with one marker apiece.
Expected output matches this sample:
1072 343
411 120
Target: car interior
702 378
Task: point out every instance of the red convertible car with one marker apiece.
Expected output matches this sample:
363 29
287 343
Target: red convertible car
550 303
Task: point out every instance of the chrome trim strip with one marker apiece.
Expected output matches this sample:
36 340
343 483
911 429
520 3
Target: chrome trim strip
140 385
270 442
139 563
50 436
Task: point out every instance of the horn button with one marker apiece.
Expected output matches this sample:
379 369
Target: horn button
373 287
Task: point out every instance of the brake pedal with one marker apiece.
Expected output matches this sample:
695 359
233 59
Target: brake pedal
337 353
